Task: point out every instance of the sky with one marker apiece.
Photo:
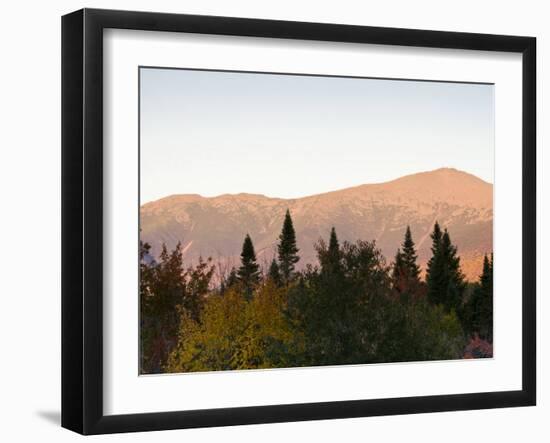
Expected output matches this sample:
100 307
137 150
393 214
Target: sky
289 136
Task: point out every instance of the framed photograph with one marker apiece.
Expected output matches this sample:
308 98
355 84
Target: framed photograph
269 221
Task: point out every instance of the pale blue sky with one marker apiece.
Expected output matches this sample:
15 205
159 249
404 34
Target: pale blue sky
212 133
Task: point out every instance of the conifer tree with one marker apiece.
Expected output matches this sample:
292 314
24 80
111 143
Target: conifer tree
434 270
287 249
248 273
436 241
170 287
165 296
274 273
398 272
479 311
405 272
231 280
456 283
197 284
330 258
445 280
410 257
147 266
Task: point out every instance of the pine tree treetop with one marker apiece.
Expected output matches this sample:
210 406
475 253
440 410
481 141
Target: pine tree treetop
287 248
248 272
248 252
333 242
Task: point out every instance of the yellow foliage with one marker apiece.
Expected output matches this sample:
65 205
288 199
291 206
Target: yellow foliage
234 333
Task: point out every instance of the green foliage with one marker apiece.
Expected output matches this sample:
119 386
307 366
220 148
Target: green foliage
330 258
398 273
410 257
274 273
436 236
351 316
331 306
405 271
197 283
350 309
287 249
146 268
444 278
419 331
479 309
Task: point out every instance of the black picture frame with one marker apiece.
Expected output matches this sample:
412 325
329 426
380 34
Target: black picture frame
82 219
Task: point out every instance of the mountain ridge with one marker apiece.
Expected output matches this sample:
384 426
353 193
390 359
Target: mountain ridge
215 226
387 182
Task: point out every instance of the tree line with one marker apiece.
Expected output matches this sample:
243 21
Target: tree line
350 308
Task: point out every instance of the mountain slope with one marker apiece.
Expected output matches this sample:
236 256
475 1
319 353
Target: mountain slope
216 226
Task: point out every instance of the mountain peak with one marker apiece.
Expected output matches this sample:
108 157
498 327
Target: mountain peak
444 172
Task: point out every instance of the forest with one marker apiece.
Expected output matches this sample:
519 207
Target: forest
351 307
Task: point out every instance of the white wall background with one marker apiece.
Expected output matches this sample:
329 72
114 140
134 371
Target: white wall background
30 218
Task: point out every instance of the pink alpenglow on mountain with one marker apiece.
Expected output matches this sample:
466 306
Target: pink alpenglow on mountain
215 226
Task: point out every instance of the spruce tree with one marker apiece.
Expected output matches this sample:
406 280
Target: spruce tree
274 273
436 241
405 272
288 251
248 273
456 284
445 280
434 270
398 272
479 310
410 257
331 257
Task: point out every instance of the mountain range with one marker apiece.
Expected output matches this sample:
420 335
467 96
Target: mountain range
215 226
